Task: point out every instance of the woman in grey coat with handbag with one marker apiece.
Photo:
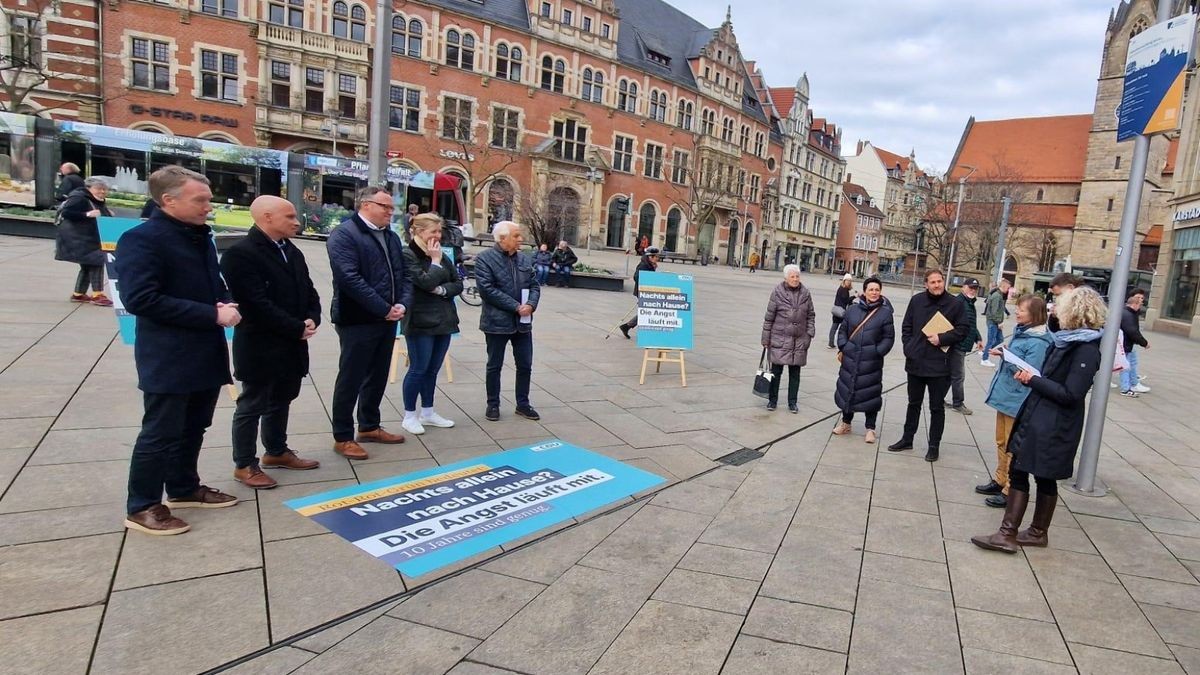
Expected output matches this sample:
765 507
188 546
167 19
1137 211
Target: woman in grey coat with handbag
788 330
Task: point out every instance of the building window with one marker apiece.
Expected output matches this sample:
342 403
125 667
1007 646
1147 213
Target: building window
1110 205
679 167
745 139
568 17
627 96
652 167
508 62
314 90
407 36
460 50
623 154
683 115
658 105
456 119
587 24
281 84
553 74
1040 194
546 9
151 64
741 183
25 41
708 121
759 140
218 75
727 129
226 8
571 140
349 22
1117 163
593 85
405 109
605 31
505 128
347 95
291 14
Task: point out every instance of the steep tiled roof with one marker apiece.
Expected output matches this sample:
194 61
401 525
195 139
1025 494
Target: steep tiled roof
891 159
783 98
1172 154
1154 237
1035 149
853 190
1044 215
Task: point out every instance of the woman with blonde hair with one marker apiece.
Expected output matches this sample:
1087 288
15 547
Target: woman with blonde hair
1046 433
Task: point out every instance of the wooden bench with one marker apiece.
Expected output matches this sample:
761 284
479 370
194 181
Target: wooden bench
667 256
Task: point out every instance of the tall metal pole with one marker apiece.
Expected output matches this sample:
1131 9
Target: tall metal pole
962 182
381 77
1001 240
1093 431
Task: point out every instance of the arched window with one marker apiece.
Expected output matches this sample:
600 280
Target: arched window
1138 26
501 197
627 96
745 138
593 85
618 207
350 22
708 122
406 37
672 240
508 62
683 116
1040 194
647 220
553 74
759 140
658 105
460 50
727 129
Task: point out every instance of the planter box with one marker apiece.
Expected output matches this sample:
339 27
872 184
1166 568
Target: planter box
27 226
595 282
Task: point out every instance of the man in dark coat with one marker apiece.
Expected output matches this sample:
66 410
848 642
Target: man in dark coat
371 293
563 261
170 280
1131 328
971 341
510 293
70 182
926 360
269 279
648 263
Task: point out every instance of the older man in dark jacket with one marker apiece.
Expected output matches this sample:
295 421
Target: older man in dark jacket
510 292
934 323
281 310
971 341
371 292
170 280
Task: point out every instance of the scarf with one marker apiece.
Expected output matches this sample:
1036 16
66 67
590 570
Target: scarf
1065 337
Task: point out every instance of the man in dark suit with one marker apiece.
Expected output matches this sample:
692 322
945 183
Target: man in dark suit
170 280
269 279
371 292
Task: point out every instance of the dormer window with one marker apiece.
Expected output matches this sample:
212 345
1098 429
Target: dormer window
656 57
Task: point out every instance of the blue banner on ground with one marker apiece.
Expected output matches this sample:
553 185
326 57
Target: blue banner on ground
428 519
1155 67
664 312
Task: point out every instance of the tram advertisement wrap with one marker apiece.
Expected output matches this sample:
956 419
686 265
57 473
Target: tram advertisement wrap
421 521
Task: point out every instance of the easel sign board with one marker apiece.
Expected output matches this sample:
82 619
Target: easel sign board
664 312
425 520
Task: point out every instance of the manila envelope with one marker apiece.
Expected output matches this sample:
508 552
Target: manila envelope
937 325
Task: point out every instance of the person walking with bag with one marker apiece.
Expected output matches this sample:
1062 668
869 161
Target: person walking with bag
841 300
788 329
867 335
78 238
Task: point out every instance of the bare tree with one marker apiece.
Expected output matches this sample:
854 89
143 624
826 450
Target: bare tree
28 69
481 157
703 182
535 212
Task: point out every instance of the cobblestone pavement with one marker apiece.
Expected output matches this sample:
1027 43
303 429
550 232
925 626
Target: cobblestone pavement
825 555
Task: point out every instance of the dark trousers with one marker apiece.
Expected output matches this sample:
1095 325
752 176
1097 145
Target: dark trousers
793 383
848 416
1019 480
522 344
937 387
362 376
90 275
425 356
168 447
833 329
958 374
268 402
564 274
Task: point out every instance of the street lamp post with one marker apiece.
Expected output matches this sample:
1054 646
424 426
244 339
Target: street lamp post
962 184
593 176
381 76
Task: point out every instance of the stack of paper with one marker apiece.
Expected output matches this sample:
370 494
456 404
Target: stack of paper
937 325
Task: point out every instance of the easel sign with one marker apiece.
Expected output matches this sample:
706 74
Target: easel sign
664 320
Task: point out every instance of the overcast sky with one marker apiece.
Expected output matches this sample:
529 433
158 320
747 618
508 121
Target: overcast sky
907 75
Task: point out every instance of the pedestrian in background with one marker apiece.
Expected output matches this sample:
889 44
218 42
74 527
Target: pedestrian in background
70 180
1131 327
541 264
1061 283
753 261
171 282
788 330
958 353
371 293
994 313
926 360
510 293
1030 342
281 310
866 336
648 263
563 261
841 300
1046 433
430 322
77 239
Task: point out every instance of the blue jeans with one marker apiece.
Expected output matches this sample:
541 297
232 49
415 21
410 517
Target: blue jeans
425 356
564 274
522 344
995 337
1129 376
541 273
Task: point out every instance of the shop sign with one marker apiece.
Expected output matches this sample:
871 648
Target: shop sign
456 154
182 115
1190 212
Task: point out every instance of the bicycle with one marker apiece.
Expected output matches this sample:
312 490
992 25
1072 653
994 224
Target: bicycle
470 294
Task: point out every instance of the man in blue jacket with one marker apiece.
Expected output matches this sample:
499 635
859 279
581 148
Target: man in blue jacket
169 279
371 292
505 279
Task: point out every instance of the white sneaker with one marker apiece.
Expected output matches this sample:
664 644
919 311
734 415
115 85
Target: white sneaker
436 420
1141 388
413 426
987 364
1112 385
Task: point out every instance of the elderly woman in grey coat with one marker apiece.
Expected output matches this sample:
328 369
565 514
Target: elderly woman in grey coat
788 329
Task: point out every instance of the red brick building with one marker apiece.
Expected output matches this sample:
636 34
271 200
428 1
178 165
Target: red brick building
860 225
49 61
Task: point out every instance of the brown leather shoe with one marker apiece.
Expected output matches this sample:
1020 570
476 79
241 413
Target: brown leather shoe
289 460
156 520
379 435
350 450
252 476
203 498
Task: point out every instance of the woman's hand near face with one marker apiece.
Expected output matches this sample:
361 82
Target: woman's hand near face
435 250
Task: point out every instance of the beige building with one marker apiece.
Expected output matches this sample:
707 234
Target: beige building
903 190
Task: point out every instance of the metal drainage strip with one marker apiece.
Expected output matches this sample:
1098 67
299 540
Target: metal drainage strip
740 457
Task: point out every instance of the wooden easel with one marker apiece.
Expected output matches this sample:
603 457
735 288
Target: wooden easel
663 356
398 350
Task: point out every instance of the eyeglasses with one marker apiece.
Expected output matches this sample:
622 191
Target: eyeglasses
385 207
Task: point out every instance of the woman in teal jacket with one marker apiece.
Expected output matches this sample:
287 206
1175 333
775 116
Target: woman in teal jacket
1030 342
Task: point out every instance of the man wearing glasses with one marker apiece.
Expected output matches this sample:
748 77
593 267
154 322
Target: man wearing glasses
370 294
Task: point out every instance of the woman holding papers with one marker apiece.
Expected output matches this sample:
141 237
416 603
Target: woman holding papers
1029 344
788 329
866 335
1046 433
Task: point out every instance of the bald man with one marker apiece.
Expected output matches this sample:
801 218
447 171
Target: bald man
281 310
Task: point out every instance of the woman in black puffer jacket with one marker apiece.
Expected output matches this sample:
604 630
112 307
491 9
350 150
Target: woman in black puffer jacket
78 239
860 379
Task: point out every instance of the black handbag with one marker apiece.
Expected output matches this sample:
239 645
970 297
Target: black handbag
762 377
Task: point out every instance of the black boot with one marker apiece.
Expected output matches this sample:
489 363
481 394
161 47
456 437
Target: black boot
1043 513
1005 539
932 454
902 444
625 330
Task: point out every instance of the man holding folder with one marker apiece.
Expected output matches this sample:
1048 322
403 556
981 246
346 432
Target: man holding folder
934 322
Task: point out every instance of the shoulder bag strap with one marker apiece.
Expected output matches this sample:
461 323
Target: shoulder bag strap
859 327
